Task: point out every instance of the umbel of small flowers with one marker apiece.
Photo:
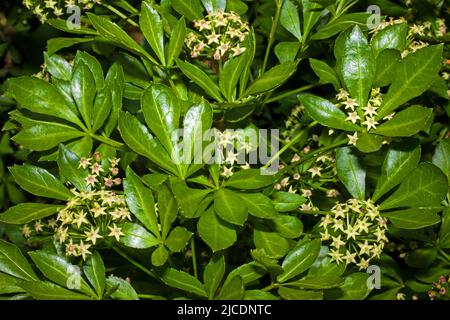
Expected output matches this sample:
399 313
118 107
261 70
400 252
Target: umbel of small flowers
364 115
440 290
357 232
90 216
220 34
45 9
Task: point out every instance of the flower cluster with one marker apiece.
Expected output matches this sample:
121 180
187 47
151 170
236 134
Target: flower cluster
440 289
91 215
45 9
220 34
306 172
364 115
233 148
357 232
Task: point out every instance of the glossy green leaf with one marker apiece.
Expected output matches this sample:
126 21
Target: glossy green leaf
191 9
94 66
444 233
342 23
288 226
9 284
290 19
183 281
259 205
124 291
140 201
115 34
368 142
325 73
354 288
102 106
115 79
95 273
424 186
249 179
311 14
272 79
178 239
357 65
392 37
326 113
43 290
351 172
56 44
400 160
316 283
217 234
287 51
160 256
83 91
137 237
168 209
46 136
60 271
412 77
138 139
230 74
287 201
152 28
39 182
27 212
229 206
296 294
69 167
188 199
176 41
407 122
213 274
13 262
271 242
299 260
58 67
42 97
233 289
249 272
200 78
387 61
441 156
413 218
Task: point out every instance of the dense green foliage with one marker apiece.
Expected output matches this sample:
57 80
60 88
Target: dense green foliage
101 199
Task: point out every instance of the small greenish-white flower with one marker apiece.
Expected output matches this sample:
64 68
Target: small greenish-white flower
352 139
